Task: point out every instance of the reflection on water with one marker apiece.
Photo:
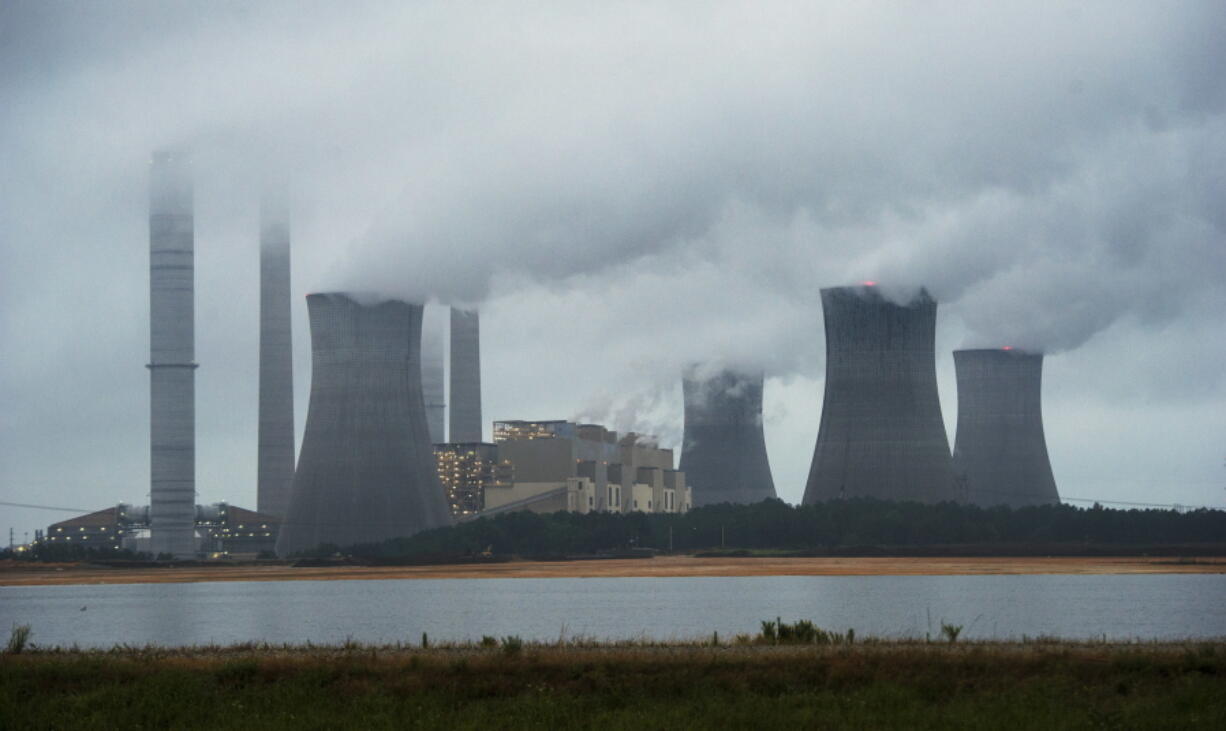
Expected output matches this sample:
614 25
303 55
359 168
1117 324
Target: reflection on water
1145 606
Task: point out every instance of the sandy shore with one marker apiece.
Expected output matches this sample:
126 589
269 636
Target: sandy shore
663 566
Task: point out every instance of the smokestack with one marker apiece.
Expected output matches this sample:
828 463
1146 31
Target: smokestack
366 470
881 432
172 370
723 454
433 330
1000 454
465 376
276 446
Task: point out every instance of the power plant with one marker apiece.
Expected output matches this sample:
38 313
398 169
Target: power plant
366 471
172 367
723 453
275 472
1000 454
465 376
881 433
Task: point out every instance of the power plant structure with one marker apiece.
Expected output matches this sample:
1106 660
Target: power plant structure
723 453
366 470
1000 453
881 432
275 470
433 331
465 395
172 367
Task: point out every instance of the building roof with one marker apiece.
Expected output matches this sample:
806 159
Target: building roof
89 520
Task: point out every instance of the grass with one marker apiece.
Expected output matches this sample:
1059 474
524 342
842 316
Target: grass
578 681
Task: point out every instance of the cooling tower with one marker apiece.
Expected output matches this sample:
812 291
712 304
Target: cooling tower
172 370
366 469
465 376
1000 454
881 432
723 454
433 332
275 473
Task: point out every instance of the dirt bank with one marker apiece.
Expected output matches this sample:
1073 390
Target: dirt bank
663 566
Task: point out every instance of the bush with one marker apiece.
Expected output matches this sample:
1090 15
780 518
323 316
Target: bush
18 639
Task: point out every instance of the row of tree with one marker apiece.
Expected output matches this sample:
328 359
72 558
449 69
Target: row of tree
773 524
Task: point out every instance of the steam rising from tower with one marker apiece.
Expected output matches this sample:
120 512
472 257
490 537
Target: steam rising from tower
276 441
1000 454
172 370
465 376
881 432
366 471
723 453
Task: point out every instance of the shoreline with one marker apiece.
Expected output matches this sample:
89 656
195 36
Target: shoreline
658 567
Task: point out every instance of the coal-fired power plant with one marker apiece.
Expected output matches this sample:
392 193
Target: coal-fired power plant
1000 453
881 433
172 367
433 330
465 376
723 453
366 469
275 461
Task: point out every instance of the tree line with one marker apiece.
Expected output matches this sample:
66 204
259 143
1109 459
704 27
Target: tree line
773 524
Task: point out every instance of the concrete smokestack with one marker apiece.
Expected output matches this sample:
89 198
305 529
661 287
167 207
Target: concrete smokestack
433 332
723 454
276 442
881 432
1000 454
465 376
172 367
366 470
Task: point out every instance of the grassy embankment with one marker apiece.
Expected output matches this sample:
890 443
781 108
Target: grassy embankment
503 683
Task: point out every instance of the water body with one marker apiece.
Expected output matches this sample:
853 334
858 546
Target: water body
386 611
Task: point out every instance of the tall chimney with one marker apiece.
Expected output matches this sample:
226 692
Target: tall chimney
366 471
723 454
172 367
881 433
1000 453
276 441
465 376
433 332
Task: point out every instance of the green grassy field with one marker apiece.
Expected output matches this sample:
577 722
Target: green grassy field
874 684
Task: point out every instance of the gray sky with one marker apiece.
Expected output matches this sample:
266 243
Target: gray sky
624 188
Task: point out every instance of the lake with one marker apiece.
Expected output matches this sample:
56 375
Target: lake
1170 606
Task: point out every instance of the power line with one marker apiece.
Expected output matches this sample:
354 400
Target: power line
46 507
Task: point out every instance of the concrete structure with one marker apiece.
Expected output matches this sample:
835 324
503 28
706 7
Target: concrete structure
1000 454
560 465
465 376
723 454
433 332
172 367
881 432
366 470
275 473
219 528
466 471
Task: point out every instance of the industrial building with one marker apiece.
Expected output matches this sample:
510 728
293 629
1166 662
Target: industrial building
219 528
466 471
275 471
881 433
1000 453
465 427
172 366
560 465
723 453
366 471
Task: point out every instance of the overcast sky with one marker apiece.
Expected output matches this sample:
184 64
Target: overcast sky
624 188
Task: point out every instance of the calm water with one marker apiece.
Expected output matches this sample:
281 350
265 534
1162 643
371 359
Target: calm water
1162 606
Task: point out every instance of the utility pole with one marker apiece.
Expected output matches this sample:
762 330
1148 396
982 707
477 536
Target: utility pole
721 536
670 539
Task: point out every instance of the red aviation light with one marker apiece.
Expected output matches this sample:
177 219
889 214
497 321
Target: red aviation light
1007 347
869 284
